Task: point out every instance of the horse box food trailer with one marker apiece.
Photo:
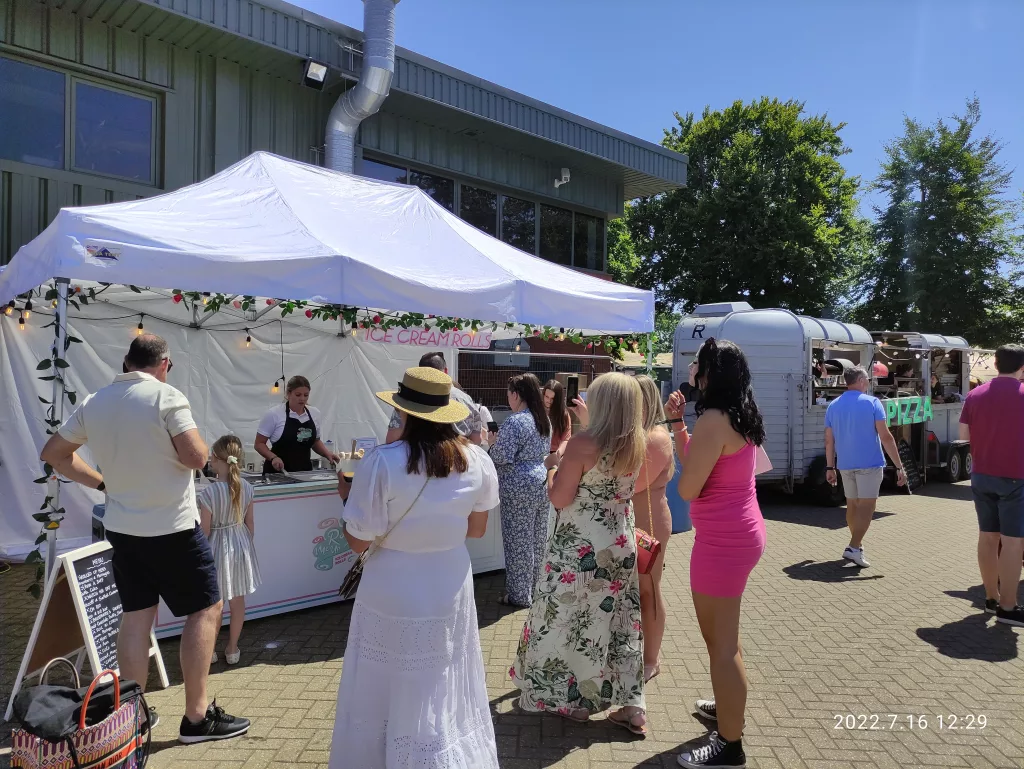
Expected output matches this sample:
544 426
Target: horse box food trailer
936 371
783 350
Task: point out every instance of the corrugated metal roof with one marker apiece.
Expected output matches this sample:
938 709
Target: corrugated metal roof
819 328
251 33
923 341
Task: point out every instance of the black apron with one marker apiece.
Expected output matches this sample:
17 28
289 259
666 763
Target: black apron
294 445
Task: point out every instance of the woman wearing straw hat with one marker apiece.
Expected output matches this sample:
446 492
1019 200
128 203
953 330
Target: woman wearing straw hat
413 689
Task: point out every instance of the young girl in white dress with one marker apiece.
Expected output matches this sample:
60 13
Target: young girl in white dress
225 509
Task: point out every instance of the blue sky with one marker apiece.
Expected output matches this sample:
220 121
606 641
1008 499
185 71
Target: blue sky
631 63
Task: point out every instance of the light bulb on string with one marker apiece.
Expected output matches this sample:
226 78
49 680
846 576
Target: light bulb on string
9 308
139 329
206 297
21 321
275 389
248 338
28 310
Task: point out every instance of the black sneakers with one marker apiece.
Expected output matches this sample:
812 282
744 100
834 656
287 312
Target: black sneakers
991 605
217 725
1014 616
706 709
716 753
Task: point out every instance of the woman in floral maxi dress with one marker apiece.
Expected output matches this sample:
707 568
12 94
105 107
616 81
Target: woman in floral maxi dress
581 650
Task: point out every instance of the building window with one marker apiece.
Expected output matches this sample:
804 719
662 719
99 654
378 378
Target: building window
519 223
440 189
556 234
31 114
480 208
113 133
384 172
588 245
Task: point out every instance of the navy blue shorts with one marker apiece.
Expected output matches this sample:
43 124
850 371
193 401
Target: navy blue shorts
177 567
999 503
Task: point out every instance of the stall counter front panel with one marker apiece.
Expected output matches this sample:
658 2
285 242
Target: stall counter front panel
303 554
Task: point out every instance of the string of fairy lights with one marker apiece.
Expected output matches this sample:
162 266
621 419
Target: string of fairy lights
357 319
26 310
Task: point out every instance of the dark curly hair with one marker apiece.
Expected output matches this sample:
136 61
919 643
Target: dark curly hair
723 369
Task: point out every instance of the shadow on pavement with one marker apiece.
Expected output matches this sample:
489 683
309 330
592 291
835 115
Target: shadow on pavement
972 638
567 735
778 507
940 490
829 571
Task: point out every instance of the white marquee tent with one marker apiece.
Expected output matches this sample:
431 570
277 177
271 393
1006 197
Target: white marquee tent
268 226
265 227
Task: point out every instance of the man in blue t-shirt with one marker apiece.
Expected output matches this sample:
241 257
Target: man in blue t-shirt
855 428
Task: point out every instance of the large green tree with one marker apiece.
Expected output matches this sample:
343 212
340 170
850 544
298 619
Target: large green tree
945 249
768 214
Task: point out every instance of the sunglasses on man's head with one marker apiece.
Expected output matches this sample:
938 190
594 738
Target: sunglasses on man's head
170 363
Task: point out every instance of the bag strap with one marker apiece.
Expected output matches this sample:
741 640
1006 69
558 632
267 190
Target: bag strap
650 510
44 676
650 515
380 542
88 695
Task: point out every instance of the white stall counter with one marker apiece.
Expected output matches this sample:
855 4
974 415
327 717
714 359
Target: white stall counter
303 554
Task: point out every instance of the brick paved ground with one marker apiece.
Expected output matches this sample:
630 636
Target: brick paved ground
905 637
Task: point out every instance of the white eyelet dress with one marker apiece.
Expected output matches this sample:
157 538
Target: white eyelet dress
413 690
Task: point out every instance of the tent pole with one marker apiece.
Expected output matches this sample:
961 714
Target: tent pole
650 354
58 408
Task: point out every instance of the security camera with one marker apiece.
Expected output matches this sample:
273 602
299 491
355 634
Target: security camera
564 178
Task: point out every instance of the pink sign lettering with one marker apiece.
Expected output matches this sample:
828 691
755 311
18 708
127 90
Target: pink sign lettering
430 337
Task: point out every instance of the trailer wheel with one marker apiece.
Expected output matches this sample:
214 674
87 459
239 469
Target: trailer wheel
954 466
967 464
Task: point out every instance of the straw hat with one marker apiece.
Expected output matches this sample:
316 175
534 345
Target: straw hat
426 393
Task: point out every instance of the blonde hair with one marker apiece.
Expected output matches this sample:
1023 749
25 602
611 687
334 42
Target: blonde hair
654 411
615 403
230 446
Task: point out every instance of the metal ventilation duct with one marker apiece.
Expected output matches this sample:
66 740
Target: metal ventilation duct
358 103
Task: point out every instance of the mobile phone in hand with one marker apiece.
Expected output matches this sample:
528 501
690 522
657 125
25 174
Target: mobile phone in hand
572 388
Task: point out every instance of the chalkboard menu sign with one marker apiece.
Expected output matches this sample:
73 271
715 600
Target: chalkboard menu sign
78 618
95 577
914 480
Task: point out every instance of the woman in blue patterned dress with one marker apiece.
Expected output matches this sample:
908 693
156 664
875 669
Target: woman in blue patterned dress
523 444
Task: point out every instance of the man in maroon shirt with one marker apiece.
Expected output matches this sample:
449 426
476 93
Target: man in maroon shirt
993 421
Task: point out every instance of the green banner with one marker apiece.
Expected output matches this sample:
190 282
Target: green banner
907 411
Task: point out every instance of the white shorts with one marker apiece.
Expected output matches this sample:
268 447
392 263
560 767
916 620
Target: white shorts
863 483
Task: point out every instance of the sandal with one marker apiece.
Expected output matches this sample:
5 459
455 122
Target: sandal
651 672
630 721
576 715
503 600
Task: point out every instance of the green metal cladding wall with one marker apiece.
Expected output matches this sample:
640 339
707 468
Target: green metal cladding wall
212 112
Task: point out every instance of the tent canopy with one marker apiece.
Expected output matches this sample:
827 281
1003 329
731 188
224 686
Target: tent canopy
268 226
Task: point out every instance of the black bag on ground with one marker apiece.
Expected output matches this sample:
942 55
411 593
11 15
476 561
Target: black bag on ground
52 712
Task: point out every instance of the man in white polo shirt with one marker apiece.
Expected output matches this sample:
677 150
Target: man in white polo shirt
141 433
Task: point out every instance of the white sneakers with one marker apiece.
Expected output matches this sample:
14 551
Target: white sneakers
231 659
856 554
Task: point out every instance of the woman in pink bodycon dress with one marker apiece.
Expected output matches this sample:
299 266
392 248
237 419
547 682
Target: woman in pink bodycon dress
718 481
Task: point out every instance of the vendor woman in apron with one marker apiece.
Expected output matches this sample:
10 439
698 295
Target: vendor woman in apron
291 431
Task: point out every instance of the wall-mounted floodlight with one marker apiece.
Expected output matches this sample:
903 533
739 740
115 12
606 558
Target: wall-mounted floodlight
314 74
